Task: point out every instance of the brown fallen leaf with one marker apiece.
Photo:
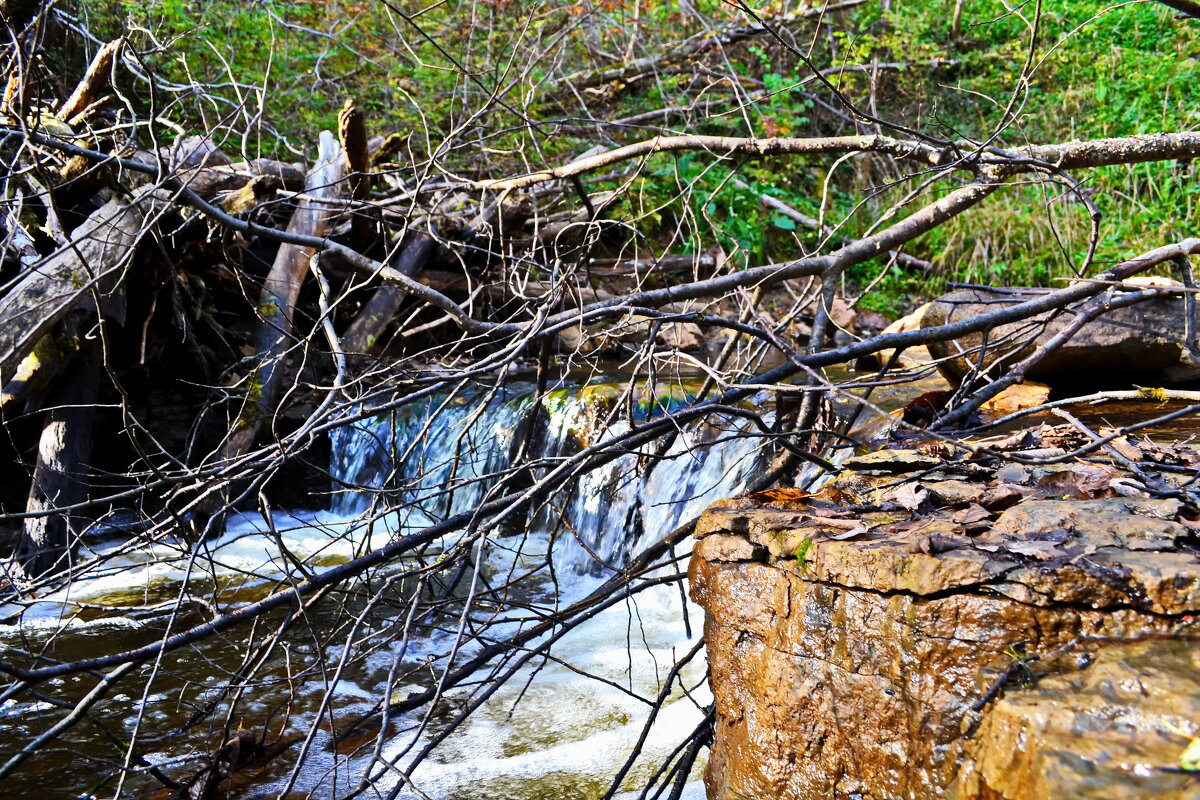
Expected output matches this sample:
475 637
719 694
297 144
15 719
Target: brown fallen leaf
908 495
1122 445
1001 497
1128 487
1065 437
816 520
1080 482
830 513
1016 398
970 515
786 494
850 534
923 409
1016 441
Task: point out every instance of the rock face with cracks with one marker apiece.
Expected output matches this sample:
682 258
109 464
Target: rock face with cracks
1018 648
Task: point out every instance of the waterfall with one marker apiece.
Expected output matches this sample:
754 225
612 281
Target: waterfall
431 459
564 734
441 457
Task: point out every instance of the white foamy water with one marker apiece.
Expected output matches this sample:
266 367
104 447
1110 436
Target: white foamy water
564 725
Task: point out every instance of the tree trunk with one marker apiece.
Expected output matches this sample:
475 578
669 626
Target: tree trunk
48 540
279 293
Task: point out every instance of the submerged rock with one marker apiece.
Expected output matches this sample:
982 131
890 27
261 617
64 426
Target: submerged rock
1024 649
1144 344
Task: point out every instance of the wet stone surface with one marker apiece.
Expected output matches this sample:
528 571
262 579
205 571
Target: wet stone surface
952 632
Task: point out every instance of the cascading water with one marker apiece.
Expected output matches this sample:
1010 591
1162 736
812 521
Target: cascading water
519 744
434 458
562 733
452 451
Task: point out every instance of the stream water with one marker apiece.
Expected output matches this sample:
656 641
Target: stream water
561 728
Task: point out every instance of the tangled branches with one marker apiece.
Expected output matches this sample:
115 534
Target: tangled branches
352 451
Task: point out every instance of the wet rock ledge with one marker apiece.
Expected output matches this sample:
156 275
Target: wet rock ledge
960 634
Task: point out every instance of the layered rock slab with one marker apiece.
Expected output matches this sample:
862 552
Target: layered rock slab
909 661
1146 343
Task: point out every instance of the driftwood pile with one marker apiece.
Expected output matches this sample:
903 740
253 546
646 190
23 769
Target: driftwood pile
228 290
173 307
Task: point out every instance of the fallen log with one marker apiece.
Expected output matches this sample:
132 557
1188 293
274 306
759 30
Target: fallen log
362 334
279 293
90 262
701 265
48 537
37 371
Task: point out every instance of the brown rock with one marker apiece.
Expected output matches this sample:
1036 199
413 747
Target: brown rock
1138 344
731 549
892 461
1131 523
1104 731
871 666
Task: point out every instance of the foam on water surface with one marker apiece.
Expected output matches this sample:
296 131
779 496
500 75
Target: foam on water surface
564 725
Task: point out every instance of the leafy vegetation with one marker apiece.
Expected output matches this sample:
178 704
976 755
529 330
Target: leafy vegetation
271 74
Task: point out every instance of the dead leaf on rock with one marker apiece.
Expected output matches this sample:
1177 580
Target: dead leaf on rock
1044 452
909 496
1017 441
1128 487
819 520
1080 482
1190 524
971 515
937 449
786 494
850 534
1001 497
1043 551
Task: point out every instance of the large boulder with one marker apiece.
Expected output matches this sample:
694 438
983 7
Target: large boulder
993 645
1143 344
